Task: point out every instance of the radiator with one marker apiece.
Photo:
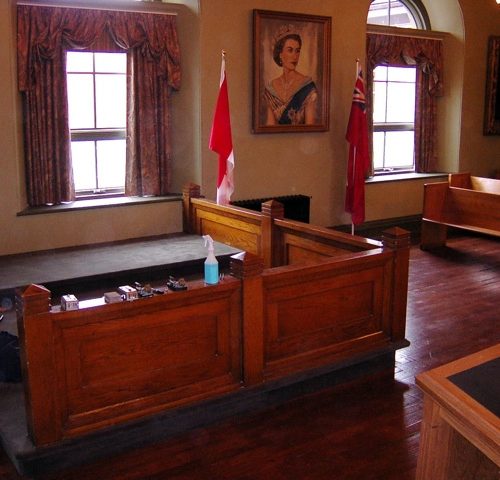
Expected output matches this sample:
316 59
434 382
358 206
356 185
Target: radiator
296 207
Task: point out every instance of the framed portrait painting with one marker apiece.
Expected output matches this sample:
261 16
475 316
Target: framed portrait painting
291 62
492 100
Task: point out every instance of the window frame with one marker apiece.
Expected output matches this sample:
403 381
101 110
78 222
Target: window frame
394 127
419 13
97 134
154 56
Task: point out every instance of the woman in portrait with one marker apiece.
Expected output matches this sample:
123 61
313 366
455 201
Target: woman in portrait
291 98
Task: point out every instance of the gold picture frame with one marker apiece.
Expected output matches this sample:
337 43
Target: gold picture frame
492 99
291 67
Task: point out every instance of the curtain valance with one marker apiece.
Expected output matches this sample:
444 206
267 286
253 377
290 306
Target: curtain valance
44 31
393 50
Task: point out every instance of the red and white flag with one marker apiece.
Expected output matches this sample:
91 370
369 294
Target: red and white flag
221 141
359 154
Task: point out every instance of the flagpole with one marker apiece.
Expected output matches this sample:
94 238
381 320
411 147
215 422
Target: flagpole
222 66
354 161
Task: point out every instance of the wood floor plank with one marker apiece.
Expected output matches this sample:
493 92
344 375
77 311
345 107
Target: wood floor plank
364 429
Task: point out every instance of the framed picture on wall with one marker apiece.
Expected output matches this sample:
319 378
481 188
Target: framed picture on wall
492 100
291 72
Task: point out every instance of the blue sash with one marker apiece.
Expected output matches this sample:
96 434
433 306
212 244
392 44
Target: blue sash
295 103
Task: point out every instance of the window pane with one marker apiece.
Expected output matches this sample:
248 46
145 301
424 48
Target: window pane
402 74
83 158
79 62
111 163
111 98
379 102
401 17
378 149
80 100
111 62
380 74
401 103
399 149
393 13
378 13
97 101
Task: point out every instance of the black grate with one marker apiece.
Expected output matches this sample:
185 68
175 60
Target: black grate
296 207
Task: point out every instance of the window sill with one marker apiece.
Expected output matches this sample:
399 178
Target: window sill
399 177
95 203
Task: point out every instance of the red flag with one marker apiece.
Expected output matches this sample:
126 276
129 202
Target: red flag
221 141
359 155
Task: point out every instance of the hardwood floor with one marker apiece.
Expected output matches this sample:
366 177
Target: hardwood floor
363 429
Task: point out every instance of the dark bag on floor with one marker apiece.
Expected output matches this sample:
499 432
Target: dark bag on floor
10 365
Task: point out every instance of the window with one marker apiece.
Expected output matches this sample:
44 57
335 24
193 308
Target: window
398 13
97 95
393 118
100 89
403 81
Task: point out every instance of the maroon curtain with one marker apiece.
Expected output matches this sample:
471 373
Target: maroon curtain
44 35
426 55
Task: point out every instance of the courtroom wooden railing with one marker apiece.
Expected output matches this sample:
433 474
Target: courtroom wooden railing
103 365
280 242
303 300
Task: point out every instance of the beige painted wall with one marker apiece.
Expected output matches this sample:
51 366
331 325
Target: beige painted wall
478 153
409 195
314 164
266 164
279 164
446 17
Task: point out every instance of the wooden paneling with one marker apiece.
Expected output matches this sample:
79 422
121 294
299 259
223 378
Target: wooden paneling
323 310
327 312
343 298
232 232
116 362
473 209
300 250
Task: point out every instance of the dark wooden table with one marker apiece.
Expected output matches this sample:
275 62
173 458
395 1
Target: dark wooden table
460 433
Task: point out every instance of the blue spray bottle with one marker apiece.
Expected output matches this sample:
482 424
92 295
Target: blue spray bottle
211 264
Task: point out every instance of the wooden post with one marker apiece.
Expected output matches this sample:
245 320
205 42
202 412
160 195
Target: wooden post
460 180
190 190
398 240
432 235
435 437
271 242
248 268
36 339
33 299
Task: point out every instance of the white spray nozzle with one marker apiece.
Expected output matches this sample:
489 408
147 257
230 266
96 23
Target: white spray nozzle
208 242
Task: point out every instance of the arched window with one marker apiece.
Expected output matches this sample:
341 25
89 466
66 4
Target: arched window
399 13
402 109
